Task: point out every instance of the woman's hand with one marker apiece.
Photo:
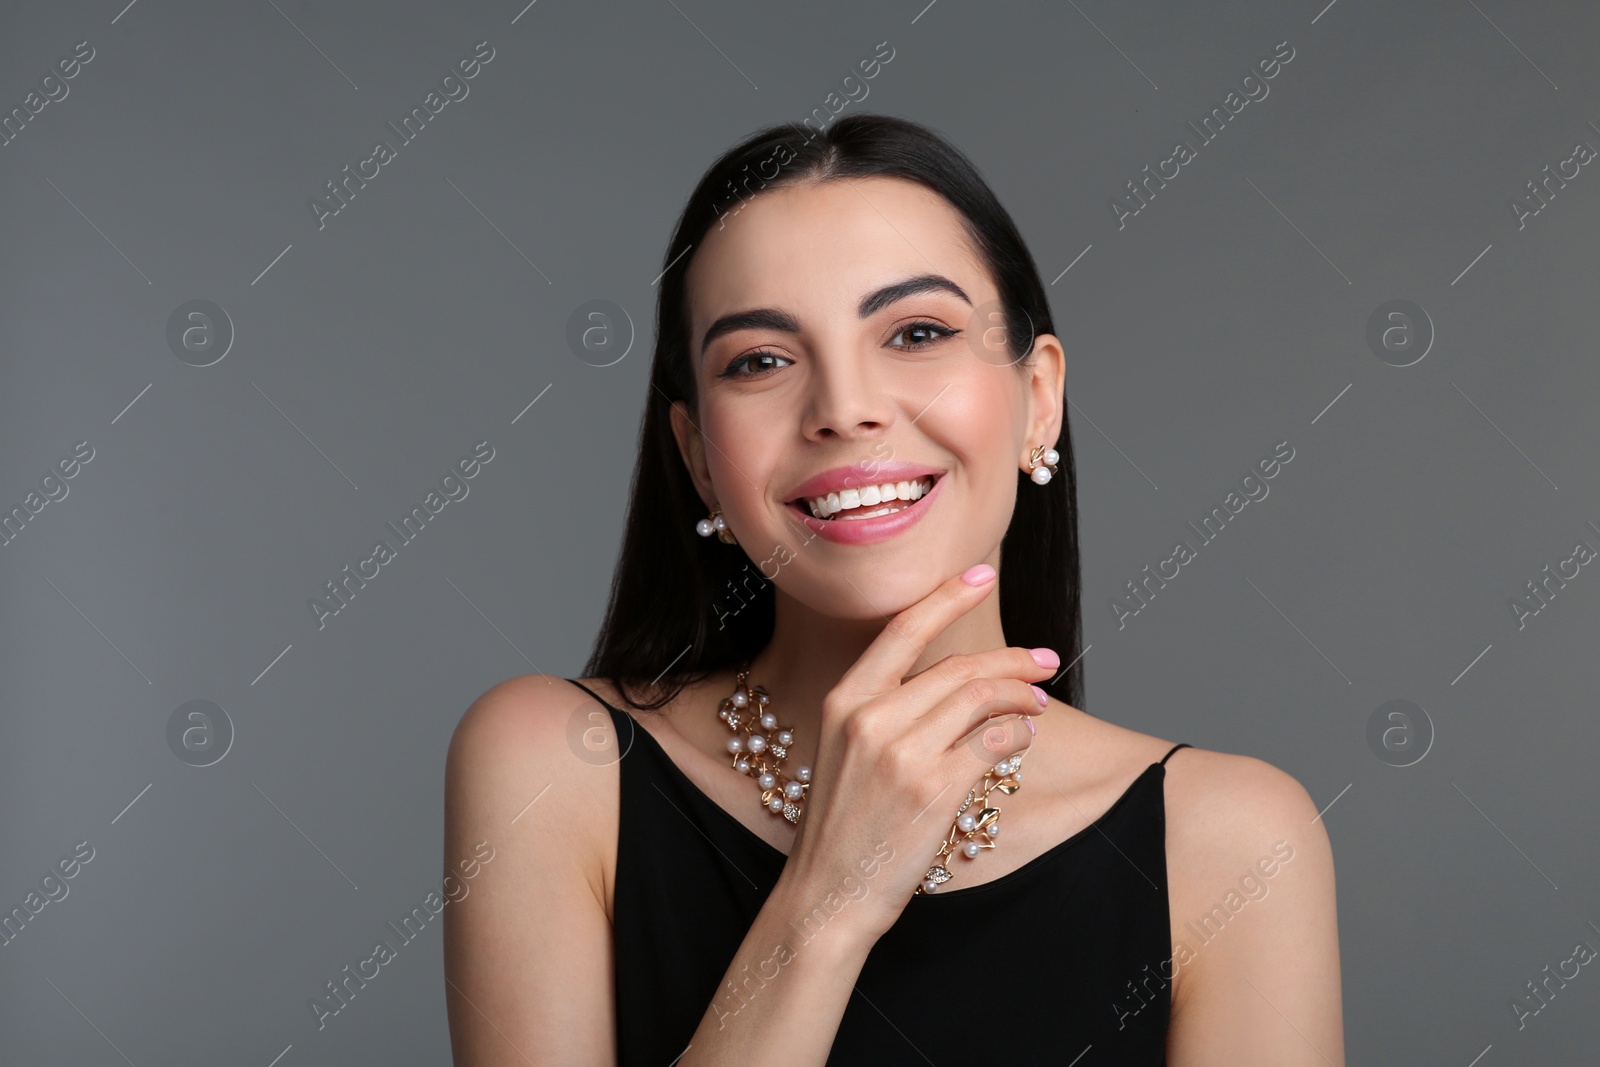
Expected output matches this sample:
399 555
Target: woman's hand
895 758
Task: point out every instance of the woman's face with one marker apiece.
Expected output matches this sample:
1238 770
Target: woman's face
816 361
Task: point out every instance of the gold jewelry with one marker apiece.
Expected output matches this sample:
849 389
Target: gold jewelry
1041 473
715 524
975 832
759 748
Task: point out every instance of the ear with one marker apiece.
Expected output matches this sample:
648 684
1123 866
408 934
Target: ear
1046 393
692 447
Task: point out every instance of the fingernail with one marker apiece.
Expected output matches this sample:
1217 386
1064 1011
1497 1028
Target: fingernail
979 575
1045 657
1044 698
1032 729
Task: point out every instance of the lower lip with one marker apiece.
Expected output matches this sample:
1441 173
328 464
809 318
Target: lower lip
869 531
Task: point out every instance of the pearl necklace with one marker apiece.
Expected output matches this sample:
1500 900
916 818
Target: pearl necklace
759 748
761 753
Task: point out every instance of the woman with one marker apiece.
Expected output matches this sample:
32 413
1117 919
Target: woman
857 411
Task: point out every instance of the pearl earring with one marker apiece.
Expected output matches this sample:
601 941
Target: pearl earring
715 524
1042 473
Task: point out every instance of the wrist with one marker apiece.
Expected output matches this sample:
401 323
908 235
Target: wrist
832 925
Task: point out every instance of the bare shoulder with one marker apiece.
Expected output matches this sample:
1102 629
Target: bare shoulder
1230 817
1215 801
1247 853
505 740
517 780
524 707
530 732
1222 802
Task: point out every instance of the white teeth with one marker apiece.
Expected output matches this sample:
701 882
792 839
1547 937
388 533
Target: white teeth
824 506
868 514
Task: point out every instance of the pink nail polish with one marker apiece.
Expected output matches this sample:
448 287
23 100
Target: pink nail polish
978 575
1044 698
1045 657
1032 729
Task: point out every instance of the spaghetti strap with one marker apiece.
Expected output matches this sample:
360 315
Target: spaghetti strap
591 692
1174 748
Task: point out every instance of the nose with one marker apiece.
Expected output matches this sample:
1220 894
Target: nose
845 399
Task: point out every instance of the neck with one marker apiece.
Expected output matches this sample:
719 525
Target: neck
810 652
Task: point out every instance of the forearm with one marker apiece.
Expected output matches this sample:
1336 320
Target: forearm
787 986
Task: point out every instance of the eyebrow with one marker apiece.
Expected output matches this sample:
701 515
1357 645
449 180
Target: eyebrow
877 300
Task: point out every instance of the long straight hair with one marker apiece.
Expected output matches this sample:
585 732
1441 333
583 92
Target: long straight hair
682 605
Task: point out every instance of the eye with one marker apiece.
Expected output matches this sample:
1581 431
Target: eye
931 332
733 369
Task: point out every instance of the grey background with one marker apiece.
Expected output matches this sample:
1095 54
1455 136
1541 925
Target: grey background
1229 315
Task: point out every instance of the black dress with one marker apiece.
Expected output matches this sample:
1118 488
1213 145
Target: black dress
1065 960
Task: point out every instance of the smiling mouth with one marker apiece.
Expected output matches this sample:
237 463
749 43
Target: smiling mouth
868 502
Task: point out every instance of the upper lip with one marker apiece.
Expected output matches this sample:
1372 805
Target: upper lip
861 475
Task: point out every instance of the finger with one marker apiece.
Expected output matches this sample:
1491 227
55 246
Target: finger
939 681
993 741
901 645
974 706
987 751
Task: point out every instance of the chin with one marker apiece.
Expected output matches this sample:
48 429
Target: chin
867 591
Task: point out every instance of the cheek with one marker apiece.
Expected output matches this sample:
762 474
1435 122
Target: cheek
995 498
979 427
977 420
741 453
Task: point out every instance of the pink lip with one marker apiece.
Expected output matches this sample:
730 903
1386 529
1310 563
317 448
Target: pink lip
860 475
870 531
